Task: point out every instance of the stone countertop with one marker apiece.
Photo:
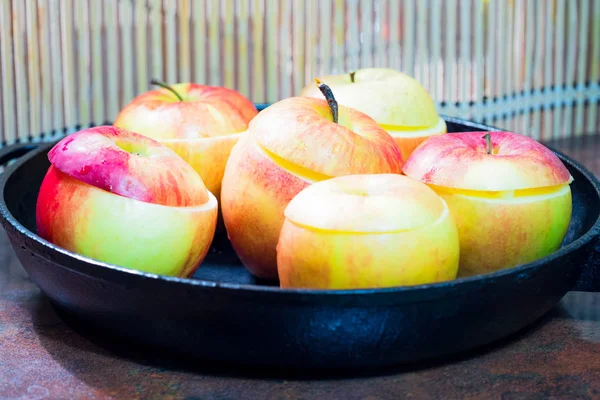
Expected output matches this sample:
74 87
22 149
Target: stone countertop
42 357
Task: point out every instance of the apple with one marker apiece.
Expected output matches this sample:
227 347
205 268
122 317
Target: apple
288 146
395 100
200 123
509 194
367 231
122 198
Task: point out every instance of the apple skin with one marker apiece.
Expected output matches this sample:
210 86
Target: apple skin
288 146
398 102
511 207
202 129
149 212
367 231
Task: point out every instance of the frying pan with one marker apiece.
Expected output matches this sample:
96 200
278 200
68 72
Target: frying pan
224 314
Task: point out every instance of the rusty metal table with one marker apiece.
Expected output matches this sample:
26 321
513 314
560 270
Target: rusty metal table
42 357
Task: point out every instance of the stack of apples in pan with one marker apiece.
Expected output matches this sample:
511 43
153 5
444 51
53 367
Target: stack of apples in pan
353 184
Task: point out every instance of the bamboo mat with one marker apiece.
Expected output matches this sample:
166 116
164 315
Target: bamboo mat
531 66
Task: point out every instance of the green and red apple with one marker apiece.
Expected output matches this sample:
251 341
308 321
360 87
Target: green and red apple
509 194
122 198
398 102
367 231
288 146
200 123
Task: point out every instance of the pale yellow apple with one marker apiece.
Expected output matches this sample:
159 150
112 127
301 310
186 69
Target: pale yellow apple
398 102
511 206
367 231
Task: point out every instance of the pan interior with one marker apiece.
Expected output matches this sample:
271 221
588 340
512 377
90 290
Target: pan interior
221 263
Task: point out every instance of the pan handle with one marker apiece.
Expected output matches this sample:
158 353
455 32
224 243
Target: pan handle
589 280
14 151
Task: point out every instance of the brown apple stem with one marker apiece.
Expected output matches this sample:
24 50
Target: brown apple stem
165 86
326 90
352 76
488 143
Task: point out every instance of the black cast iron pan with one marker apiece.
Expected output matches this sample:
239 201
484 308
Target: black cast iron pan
224 314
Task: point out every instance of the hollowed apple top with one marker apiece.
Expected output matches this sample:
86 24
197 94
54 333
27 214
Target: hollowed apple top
371 203
460 161
129 164
301 131
391 97
206 111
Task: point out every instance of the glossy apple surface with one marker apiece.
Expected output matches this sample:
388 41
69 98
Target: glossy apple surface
396 101
288 146
367 231
122 198
202 128
512 206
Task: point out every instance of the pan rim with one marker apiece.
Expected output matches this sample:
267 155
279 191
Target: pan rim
591 234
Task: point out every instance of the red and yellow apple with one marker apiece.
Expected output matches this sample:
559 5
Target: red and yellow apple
288 146
367 231
396 101
125 199
200 123
509 194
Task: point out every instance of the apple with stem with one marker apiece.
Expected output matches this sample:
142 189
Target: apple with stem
509 194
200 123
396 101
122 198
288 146
367 231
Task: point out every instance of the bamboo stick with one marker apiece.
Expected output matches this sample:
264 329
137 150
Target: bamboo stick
271 60
83 89
9 134
57 87
214 42
557 123
570 61
199 50
112 46
421 60
141 46
435 45
33 76
450 60
156 23
584 13
593 125
394 29
184 64
170 37
45 67
408 48
243 65
299 26
228 53
20 65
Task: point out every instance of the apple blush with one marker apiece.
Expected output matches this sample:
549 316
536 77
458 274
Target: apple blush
288 146
200 123
398 102
509 194
122 198
367 231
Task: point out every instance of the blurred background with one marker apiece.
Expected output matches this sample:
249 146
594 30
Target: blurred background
531 66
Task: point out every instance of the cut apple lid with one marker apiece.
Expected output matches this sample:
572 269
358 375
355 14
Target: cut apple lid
373 203
129 164
389 96
205 112
300 131
461 161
